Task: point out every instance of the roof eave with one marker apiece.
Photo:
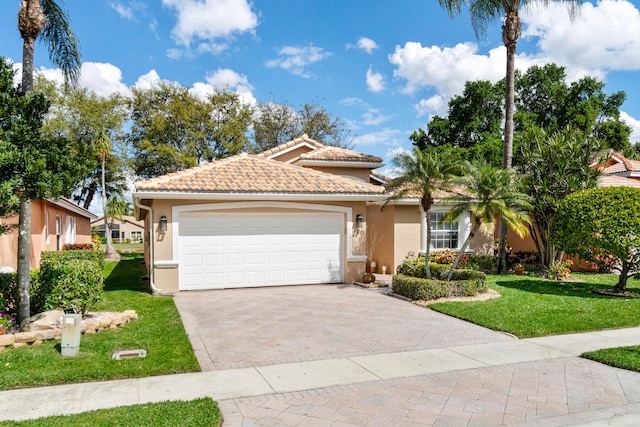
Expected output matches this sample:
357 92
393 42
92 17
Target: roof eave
182 195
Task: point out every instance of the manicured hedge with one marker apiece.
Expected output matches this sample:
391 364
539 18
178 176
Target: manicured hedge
416 288
414 267
9 291
64 256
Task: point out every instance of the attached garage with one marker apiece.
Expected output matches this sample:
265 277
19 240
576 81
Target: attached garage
231 250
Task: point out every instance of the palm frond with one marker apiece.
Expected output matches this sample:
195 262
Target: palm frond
64 47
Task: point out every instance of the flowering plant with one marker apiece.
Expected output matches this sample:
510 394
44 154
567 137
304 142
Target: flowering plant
6 320
559 270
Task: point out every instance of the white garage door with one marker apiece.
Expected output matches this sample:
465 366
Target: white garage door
243 250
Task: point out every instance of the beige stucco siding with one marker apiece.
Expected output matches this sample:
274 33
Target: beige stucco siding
382 222
361 174
406 232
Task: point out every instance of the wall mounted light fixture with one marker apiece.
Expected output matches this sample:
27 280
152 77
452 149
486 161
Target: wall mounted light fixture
163 223
359 220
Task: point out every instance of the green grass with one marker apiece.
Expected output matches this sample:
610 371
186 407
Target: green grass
533 307
158 330
125 248
195 413
620 357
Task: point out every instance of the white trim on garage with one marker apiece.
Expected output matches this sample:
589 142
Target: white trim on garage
221 207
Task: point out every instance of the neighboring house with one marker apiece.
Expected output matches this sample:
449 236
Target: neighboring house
127 229
54 223
295 214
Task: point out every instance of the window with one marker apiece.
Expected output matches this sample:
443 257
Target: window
444 234
46 227
58 233
136 236
70 236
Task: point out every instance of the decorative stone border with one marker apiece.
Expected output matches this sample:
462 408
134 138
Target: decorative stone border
89 326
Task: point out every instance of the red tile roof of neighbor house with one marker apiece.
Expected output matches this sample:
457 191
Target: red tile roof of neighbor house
245 173
321 152
617 181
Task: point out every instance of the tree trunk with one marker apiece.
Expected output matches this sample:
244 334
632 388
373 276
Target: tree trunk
622 279
31 21
510 35
24 260
109 253
472 233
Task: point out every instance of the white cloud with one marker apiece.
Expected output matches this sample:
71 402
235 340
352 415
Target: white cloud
295 59
635 127
147 81
604 36
375 81
208 21
225 78
447 69
125 12
365 44
436 105
388 137
102 78
374 117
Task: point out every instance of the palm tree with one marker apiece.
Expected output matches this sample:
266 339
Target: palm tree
488 194
483 12
45 20
421 174
102 144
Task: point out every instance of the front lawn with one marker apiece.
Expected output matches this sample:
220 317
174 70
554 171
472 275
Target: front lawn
195 413
158 330
533 307
620 357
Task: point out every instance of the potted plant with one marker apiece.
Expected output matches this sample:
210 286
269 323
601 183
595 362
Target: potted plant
5 323
518 269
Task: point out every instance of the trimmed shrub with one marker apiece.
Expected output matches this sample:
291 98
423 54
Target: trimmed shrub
95 255
414 267
416 288
75 284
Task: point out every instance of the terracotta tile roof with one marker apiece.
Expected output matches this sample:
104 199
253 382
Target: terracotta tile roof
321 152
255 174
337 154
294 142
617 181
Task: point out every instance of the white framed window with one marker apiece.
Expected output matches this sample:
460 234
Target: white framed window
70 235
136 236
46 227
58 232
444 234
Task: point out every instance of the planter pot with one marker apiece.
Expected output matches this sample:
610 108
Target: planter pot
2 330
368 278
519 271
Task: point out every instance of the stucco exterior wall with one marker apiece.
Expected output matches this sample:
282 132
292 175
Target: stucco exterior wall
406 232
382 222
39 240
362 174
166 277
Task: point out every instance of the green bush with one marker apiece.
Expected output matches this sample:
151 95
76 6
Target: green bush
414 267
484 262
74 285
11 297
416 288
96 256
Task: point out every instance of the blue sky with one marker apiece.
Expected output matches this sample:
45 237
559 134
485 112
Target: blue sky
384 67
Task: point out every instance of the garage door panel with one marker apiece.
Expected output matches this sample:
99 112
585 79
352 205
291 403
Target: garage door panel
223 250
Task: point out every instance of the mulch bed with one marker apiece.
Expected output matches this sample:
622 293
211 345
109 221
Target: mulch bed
610 293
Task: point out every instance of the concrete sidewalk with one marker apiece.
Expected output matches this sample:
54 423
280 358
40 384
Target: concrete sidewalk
393 371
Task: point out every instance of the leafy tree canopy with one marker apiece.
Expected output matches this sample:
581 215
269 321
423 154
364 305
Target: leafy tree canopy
173 129
602 221
32 165
543 99
275 124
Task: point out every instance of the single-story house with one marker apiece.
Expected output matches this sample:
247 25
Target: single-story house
127 229
54 223
295 214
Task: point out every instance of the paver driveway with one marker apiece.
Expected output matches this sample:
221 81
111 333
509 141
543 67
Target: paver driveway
237 328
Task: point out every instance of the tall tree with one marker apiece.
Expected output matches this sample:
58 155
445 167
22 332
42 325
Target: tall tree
488 193
421 174
173 129
484 12
553 166
31 166
78 114
275 124
47 21
102 144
